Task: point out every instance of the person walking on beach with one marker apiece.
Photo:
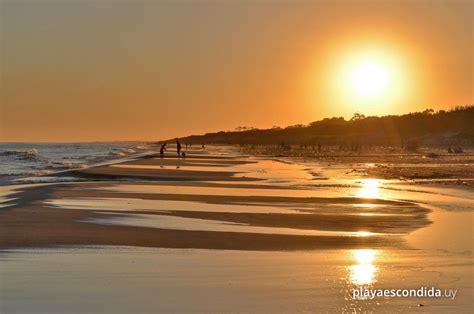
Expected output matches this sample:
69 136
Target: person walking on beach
178 148
162 150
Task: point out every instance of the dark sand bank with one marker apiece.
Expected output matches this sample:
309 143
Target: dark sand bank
166 169
31 222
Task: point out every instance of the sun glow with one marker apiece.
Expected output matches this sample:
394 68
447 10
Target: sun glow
368 79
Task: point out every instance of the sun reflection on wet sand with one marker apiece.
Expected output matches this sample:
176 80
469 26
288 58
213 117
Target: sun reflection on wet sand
364 271
369 189
364 233
366 205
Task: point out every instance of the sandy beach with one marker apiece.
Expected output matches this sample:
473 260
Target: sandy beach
216 220
209 156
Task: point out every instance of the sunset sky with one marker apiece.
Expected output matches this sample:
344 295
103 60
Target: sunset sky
148 70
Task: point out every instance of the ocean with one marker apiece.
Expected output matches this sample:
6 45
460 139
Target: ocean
23 160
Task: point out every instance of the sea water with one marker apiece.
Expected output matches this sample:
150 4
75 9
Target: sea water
20 160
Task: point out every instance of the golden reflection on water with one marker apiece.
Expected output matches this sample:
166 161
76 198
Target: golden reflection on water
363 233
366 205
363 272
369 189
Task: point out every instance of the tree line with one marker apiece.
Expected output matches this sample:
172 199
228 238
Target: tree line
444 127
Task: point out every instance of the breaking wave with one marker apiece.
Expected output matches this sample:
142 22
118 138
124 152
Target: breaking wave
21 160
124 151
26 154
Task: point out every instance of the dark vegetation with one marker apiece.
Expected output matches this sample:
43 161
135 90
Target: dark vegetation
428 128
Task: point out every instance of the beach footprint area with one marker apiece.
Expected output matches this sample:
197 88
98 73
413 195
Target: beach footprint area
219 231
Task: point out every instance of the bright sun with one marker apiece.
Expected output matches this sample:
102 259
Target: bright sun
369 78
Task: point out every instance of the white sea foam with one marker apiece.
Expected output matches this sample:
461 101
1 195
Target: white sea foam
21 160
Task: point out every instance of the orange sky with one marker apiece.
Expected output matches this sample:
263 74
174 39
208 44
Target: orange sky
149 70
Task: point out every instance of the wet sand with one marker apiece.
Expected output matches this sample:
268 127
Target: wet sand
221 200
143 280
427 165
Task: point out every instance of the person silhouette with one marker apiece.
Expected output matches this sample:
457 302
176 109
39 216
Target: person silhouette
162 150
178 148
